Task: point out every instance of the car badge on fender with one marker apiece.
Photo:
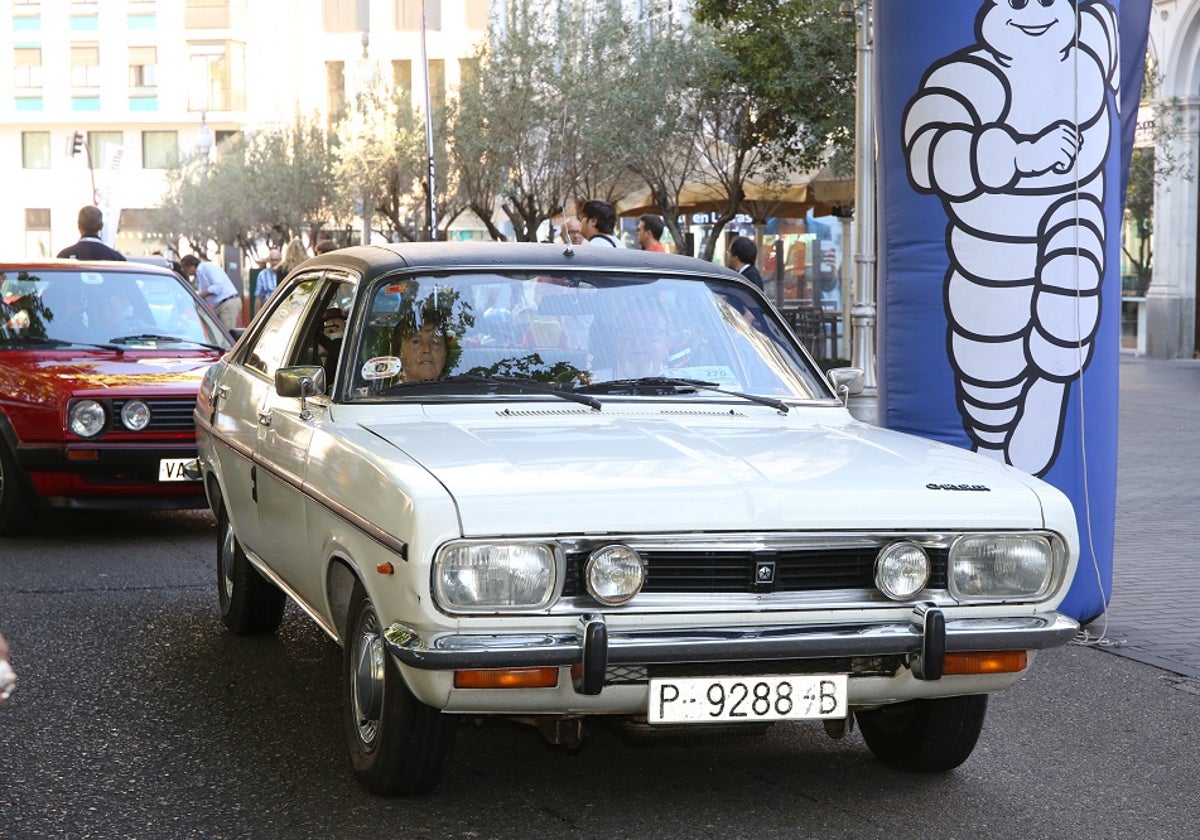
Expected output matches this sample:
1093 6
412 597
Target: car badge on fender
978 488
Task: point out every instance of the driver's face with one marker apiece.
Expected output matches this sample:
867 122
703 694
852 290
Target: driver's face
423 353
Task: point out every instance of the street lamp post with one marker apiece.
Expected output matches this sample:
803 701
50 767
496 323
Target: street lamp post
863 314
204 141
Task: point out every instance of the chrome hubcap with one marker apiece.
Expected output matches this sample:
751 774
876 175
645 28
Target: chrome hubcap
228 549
367 676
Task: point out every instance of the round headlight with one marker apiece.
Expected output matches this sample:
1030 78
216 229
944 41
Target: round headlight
86 418
614 574
135 414
901 570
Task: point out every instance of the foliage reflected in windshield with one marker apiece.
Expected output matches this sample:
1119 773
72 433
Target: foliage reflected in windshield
572 331
68 307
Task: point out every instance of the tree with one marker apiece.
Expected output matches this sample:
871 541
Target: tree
796 62
379 155
270 185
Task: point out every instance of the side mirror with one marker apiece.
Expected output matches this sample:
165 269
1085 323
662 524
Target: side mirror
846 381
301 381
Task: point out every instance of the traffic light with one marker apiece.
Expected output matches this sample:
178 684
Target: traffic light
76 143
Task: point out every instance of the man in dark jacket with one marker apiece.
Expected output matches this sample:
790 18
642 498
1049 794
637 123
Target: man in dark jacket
89 246
741 256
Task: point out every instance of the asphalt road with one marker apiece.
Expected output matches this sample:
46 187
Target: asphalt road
139 716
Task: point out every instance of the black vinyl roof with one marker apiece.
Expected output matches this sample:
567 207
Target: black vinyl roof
373 260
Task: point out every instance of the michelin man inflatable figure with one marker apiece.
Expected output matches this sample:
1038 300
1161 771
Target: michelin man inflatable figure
1012 134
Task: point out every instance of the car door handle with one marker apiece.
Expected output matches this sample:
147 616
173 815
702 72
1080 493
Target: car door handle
264 418
221 395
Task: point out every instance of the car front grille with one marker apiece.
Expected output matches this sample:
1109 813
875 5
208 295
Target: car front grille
686 571
171 414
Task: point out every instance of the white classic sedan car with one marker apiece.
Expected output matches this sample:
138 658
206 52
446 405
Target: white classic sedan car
557 484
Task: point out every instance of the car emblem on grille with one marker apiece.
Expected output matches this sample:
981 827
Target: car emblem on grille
764 575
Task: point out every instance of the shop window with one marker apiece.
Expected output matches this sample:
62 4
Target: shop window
37 232
27 68
206 14
402 82
160 149
85 65
103 146
143 67
35 149
408 14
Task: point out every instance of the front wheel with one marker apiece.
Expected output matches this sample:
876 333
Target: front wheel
251 605
17 512
398 745
925 735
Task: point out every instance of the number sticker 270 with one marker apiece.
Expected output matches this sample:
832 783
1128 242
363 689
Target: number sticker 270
732 699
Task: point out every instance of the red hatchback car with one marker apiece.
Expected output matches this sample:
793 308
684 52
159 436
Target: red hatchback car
99 367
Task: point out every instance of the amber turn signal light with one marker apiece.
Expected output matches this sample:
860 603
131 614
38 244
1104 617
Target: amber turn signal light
507 678
989 662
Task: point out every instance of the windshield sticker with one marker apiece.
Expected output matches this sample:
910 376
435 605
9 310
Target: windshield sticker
92 278
381 367
720 374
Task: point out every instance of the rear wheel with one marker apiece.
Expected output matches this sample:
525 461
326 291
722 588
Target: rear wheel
250 604
398 745
925 735
17 511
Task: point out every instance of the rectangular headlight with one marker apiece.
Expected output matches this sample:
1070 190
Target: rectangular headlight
1003 566
489 577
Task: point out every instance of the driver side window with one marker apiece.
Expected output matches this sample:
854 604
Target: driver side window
267 351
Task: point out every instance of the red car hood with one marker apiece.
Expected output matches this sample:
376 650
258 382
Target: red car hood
101 371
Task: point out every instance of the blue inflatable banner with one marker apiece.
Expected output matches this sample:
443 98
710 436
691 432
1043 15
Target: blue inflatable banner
1005 130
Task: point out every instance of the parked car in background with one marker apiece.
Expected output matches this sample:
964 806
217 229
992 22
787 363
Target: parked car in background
99 368
558 484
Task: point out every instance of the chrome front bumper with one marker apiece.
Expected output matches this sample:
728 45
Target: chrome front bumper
925 638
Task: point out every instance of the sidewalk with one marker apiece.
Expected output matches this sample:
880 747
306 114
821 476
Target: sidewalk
1154 616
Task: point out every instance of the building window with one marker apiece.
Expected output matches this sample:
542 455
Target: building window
160 149
402 82
477 14
342 16
35 149
27 67
85 65
408 14
103 146
206 14
335 85
217 75
437 84
37 232
143 67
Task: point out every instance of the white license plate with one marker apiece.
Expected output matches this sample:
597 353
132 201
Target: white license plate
746 699
171 469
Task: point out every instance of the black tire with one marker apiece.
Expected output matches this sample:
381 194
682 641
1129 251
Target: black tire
18 514
251 605
398 745
928 736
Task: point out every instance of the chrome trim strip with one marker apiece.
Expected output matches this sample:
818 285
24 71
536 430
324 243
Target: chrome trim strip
368 528
448 651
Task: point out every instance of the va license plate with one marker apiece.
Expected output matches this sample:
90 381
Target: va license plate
734 699
171 469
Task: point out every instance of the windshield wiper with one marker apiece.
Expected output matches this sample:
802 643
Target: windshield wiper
614 385
531 385
63 342
126 339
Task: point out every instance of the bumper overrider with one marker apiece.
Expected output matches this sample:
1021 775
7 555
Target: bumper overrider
925 638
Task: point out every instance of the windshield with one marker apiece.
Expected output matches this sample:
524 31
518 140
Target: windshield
571 331
120 308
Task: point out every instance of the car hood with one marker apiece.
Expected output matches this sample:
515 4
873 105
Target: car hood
562 471
97 372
